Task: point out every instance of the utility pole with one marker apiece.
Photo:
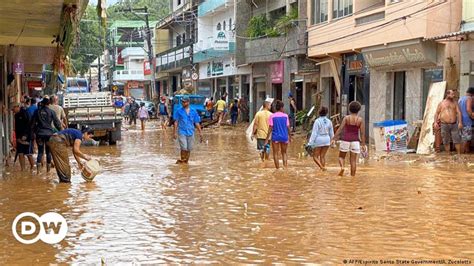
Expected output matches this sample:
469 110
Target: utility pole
98 65
150 48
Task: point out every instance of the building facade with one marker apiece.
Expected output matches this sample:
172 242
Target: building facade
278 56
175 37
214 50
379 52
28 44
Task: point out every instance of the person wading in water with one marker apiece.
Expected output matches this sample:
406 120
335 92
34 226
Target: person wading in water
186 119
58 145
448 117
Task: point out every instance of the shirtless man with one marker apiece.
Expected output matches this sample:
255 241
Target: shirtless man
448 118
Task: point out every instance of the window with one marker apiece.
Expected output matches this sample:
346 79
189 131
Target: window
179 2
230 24
341 8
320 11
219 27
223 25
183 38
178 40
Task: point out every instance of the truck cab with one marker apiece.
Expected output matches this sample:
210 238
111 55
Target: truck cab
195 101
77 85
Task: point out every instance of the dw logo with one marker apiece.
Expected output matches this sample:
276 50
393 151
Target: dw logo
50 228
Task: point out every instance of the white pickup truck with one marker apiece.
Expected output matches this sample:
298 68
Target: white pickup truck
95 110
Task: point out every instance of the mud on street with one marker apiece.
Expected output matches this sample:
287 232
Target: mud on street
228 207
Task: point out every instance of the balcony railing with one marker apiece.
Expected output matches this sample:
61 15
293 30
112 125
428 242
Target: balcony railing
274 48
211 5
129 74
174 58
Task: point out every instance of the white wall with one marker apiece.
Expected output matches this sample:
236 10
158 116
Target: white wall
207 27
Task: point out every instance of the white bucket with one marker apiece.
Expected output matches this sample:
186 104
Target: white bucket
90 170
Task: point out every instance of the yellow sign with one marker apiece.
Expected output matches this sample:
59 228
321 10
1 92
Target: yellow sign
114 88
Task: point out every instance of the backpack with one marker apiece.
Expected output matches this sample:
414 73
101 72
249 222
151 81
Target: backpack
163 110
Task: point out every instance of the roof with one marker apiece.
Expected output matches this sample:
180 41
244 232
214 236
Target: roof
449 35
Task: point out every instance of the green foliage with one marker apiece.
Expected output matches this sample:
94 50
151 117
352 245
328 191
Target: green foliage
284 23
300 116
157 9
260 26
88 47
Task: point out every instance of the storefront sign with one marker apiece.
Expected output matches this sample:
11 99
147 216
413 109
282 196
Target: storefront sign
18 68
307 66
215 68
277 72
415 53
146 68
221 43
355 64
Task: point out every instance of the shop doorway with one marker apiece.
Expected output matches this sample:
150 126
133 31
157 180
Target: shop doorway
278 91
299 95
399 96
174 85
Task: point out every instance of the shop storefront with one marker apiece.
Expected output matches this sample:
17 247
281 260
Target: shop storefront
400 75
306 83
221 76
356 84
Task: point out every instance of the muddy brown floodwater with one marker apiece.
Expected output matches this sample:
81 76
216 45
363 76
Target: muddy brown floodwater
228 207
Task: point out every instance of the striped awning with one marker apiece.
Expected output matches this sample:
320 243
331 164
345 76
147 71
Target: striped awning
449 35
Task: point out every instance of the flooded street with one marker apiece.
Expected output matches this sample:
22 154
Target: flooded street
228 207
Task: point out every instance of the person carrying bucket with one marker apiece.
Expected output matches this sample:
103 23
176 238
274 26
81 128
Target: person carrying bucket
58 145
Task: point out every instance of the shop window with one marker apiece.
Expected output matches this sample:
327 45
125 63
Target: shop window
399 96
320 11
341 8
219 26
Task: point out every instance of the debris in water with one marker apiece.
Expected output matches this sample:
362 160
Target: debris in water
360 208
256 229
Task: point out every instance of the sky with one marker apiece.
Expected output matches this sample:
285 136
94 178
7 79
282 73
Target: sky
109 2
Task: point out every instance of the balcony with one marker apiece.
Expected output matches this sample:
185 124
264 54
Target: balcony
274 48
129 74
174 58
209 6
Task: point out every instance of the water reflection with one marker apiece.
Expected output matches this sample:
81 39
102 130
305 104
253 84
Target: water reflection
226 206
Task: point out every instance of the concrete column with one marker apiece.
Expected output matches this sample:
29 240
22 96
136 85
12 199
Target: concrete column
251 99
240 85
288 7
227 89
330 6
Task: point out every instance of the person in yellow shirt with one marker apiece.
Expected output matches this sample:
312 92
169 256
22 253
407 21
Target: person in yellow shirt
220 107
260 130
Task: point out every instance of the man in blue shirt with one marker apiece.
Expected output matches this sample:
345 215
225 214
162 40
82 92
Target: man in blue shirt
32 108
186 119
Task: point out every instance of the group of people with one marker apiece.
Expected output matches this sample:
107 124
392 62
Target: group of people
235 109
453 120
131 110
276 127
44 125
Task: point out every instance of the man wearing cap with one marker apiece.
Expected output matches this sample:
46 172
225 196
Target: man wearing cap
186 119
23 136
292 111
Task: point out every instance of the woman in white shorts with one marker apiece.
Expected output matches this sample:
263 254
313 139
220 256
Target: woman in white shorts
353 132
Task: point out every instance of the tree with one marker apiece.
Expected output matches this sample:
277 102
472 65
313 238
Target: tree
88 47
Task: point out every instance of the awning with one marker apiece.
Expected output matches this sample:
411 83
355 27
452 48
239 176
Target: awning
449 35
